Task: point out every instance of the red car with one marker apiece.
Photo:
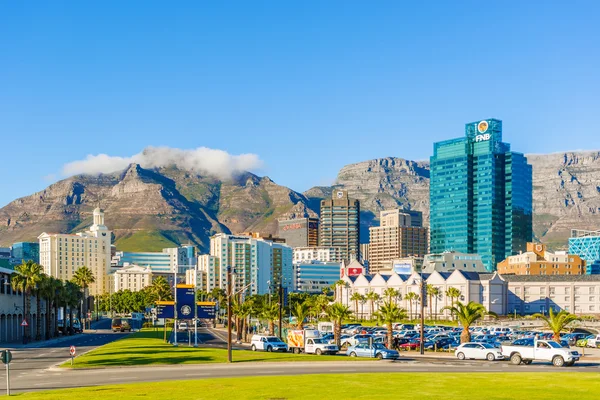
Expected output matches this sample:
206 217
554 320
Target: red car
412 345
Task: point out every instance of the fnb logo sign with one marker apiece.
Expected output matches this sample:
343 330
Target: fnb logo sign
483 138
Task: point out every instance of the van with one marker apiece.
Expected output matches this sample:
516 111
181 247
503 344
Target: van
120 325
267 343
495 330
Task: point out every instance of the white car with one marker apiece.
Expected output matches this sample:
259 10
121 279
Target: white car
183 326
478 351
268 343
594 342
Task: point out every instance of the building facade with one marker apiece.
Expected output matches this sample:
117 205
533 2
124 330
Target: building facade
324 254
502 294
62 254
258 266
25 251
170 260
299 232
132 277
480 195
537 260
314 276
339 224
449 261
397 237
586 244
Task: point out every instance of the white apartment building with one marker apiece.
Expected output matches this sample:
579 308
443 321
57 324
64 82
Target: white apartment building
320 253
62 254
132 277
257 266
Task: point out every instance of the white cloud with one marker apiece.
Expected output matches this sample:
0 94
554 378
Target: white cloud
203 160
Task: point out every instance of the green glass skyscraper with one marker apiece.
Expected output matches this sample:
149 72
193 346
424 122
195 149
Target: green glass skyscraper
480 195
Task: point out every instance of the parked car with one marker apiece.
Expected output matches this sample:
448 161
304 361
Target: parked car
542 350
478 351
583 342
594 341
120 325
413 344
376 350
356 339
437 343
267 343
572 338
183 326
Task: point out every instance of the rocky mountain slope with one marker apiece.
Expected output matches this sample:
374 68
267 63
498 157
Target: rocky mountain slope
158 207
150 209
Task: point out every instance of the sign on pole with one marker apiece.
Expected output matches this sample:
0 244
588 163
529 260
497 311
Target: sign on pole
72 351
6 357
24 323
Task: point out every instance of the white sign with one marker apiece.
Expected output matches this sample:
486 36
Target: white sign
483 138
72 350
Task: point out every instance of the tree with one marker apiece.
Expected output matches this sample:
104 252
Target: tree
373 297
453 293
557 322
337 286
72 298
389 313
467 314
301 311
84 277
391 294
356 297
160 289
49 290
26 279
432 292
338 312
411 296
271 314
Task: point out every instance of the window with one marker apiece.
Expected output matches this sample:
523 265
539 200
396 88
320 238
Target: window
567 290
591 290
592 299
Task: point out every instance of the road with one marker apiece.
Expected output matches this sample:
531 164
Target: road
31 368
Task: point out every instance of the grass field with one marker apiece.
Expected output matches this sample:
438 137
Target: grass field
446 386
147 348
144 241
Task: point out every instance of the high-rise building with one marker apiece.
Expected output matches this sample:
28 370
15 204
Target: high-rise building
258 266
314 276
586 244
480 195
62 254
299 232
396 238
537 260
170 260
339 224
25 251
324 254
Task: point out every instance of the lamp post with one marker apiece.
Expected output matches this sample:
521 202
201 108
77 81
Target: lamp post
229 314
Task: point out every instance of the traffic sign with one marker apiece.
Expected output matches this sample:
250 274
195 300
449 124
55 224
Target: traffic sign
72 351
24 323
6 356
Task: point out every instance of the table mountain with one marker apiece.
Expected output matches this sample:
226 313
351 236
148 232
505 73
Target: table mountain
151 209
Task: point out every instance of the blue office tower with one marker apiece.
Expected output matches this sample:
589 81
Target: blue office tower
480 195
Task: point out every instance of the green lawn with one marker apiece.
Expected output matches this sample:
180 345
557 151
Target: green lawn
148 348
446 386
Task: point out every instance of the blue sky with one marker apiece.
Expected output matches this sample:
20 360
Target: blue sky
307 86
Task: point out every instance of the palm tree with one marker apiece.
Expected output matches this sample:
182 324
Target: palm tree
301 312
337 287
319 305
49 291
453 293
161 290
557 322
271 314
373 297
390 313
72 297
391 294
467 314
338 312
432 292
356 297
26 279
411 296
84 277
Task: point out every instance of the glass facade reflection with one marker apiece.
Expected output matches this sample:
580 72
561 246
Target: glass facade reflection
480 195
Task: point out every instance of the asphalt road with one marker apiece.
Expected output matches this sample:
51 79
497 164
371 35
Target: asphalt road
31 369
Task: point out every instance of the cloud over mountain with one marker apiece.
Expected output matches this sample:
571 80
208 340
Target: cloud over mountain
203 160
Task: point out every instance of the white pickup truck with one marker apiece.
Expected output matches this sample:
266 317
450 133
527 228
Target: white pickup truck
310 342
542 350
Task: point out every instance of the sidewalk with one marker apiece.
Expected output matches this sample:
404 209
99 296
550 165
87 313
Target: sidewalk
42 343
